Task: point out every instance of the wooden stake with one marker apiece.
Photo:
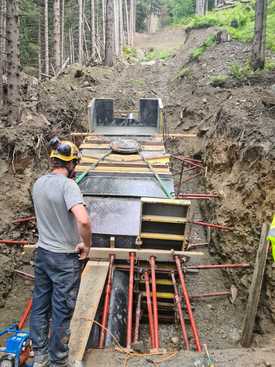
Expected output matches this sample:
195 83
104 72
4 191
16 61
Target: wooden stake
255 289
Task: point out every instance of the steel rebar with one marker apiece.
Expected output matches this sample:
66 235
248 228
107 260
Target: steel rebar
106 306
180 313
219 266
149 309
25 315
130 299
15 242
138 317
188 305
155 302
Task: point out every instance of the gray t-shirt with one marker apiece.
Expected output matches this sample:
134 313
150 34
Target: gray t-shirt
53 197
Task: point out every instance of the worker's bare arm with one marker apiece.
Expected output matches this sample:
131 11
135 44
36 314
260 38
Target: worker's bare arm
84 226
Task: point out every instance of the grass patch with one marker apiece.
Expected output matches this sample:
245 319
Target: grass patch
218 80
137 82
183 72
241 72
130 53
197 52
157 55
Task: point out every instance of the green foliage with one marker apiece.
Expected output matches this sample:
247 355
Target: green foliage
270 65
218 80
179 9
144 9
184 72
197 52
241 72
157 55
129 53
29 19
238 21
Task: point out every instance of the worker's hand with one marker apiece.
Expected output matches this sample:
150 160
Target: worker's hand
82 250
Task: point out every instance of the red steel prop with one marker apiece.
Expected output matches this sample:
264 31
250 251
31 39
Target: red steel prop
106 307
149 309
130 299
138 316
155 301
180 313
25 315
188 305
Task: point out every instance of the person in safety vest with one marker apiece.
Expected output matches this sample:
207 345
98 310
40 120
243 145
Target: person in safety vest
271 237
64 231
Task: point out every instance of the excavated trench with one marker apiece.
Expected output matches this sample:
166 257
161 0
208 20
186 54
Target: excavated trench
235 142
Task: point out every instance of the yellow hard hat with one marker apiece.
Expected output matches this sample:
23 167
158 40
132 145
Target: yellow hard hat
63 150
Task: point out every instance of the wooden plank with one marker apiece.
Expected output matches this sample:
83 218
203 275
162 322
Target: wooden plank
145 147
163 219
120 169
166 201
162 236
141 164
91 287
255 289
179 135
164 158
143 255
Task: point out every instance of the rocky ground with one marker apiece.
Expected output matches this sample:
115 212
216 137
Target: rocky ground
236 140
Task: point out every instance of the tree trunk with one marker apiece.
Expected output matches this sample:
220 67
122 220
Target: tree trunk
12 48
116 28
127 22
121 27
56 35
103 23
131 22
109 40
2 46
39 48
258 49
200 7
93 31
80 32
62 31
46 36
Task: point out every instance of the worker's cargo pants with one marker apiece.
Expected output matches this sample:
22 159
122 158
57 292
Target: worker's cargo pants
57 278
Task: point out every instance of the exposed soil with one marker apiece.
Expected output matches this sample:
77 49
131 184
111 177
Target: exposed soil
236 139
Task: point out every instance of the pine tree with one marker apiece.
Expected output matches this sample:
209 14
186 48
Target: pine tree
12 49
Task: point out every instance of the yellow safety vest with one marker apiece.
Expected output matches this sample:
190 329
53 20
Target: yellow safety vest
271 237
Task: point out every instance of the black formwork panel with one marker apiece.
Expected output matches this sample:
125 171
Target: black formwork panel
165 209
157 227
126 185
161 244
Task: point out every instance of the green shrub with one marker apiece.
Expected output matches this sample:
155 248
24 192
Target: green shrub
218 80
157 55
129 52
240 72
184 72
197 52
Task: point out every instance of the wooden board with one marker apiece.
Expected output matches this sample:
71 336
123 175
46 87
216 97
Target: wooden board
255 289
91 287
166 201
123 254
162 236
120 169
163 219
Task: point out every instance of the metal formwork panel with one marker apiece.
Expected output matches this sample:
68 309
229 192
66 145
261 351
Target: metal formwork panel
114 216
125 185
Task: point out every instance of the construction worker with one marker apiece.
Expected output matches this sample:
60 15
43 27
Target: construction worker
271 237
64 241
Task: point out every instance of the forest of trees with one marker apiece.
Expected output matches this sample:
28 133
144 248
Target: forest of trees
44 36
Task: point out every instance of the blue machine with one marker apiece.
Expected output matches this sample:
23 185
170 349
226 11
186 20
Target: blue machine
17 349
